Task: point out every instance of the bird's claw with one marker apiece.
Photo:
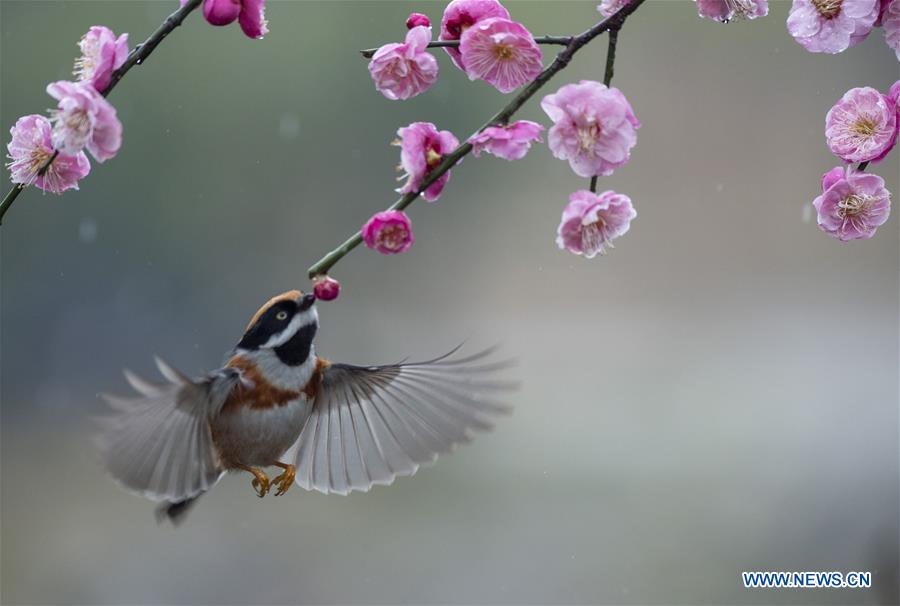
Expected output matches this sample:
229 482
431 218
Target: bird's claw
285 480
260 483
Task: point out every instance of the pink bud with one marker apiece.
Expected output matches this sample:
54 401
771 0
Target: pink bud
416 19
325 288
221 12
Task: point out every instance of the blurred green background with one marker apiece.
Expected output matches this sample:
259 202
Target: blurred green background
718 394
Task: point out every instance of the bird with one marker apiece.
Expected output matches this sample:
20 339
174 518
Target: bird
329 427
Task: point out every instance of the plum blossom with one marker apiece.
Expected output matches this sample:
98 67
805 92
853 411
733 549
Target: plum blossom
422 148
417 19
326 288
30 146
83 118
508 142
594 127
852 205
590 222
608 8
890 21
389 232
401 71
501 52
101 54
729 10
831 26
250 14
862 126
460 15
894 95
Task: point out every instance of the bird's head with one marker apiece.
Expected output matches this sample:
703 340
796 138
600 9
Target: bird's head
286 323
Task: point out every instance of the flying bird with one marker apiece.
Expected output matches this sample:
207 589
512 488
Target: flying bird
329 427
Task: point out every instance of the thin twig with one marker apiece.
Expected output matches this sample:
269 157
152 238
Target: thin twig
137 56
594 184
559 40
502 117
862 166
611 55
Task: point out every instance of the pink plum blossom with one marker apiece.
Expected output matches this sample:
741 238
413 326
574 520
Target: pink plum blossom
31 145
401 71
502 53
608 8
417 19
890 21
83 118
852 205
508 142
862 126
326 288
460 15
594 127
894 95
883 6
101 54
250 14
389 232
422 148
729 10
831 26
590 222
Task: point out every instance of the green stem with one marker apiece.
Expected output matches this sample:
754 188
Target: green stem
614 22
559 40
137 56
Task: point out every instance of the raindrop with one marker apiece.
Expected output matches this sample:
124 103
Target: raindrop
87 231
289 126
807 213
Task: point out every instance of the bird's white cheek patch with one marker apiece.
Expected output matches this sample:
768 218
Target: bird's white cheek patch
302 319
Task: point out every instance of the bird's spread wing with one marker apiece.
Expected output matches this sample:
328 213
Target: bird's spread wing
371 424
158 443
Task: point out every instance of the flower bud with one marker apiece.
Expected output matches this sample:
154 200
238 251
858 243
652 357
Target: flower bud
325 288
417 19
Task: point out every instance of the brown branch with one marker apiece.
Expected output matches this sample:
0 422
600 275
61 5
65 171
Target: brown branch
614 22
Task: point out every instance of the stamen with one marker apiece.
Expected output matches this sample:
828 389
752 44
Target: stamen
829 9
853 205
587 138
504 52
864 127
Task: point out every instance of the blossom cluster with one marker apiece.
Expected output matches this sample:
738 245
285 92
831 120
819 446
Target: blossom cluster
49 152
82 120
491 47
861 127
594 127
833 26
250 15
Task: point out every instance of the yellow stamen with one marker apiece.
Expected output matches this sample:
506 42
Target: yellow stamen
504 52
864 127
829 9
432 158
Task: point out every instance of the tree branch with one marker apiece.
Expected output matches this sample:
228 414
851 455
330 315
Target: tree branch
611 55
559 40
502 117
137 56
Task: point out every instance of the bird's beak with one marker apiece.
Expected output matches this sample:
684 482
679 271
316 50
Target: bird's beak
307 301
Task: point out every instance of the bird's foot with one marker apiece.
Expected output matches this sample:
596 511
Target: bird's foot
260 481
285 480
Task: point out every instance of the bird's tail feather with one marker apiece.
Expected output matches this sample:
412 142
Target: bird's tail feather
175 512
